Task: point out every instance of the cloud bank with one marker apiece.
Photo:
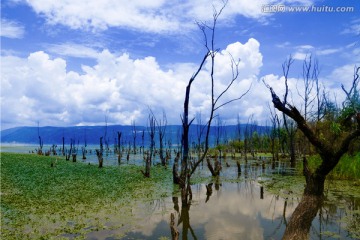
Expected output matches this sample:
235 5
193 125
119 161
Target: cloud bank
40 88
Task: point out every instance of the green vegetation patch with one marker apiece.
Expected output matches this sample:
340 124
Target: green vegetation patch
40 201
347 168
284 186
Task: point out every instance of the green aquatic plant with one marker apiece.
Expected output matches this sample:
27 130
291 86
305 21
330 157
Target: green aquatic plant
40 199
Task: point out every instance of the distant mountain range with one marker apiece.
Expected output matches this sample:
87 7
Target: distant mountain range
92 134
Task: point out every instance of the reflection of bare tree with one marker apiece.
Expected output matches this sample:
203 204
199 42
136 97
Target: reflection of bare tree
176 204
174 231
284 211
208 191
300 222
184 219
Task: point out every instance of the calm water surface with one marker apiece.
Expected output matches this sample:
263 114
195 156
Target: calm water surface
240 210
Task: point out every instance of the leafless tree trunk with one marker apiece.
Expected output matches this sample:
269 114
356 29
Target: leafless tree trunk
187 171
105 135
219 130
83 149
273 135
330 152
200 127
63 146
118 147
310 75
74 150
99 153
247 138
142 140
134 136
67 157
41 142
161 126
149 155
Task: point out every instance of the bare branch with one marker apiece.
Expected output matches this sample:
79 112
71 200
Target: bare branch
294 114
235 74
232 100
353 90
286 68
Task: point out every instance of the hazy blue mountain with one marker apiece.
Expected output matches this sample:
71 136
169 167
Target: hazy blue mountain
92 134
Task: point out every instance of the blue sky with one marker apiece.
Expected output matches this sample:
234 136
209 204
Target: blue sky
67 63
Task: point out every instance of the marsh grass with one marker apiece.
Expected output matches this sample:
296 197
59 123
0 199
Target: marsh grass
40 201
347 168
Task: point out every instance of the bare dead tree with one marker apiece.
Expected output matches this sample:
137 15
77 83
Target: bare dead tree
273 135
67 154
352 102
142 140
161 127
106 140
134 135
219 130
186 170
74 150
310 72
99 153
119 152
200 127
63 145
238 129
247 137
41 142
148 156
330 152
288 123
83 149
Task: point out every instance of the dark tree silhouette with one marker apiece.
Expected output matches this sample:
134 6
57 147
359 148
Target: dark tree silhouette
99 153
134 135
148 156
329 152
188 169
161 128
41 142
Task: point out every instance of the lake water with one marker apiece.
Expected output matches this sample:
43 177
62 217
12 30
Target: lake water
235 211
239 209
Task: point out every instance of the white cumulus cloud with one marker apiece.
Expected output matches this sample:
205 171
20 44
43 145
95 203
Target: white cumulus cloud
40 88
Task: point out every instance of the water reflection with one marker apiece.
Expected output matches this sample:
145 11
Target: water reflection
301 219
244 211
234 211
